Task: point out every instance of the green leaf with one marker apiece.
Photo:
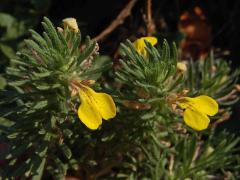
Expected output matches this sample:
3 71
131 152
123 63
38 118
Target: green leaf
7 51
66 151
3 82
50 29
38 168
13 27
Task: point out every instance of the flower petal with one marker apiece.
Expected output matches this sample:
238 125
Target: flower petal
195 119
151 40
104 104
140 45
205 104
87 112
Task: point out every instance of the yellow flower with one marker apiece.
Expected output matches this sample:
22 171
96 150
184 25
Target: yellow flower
95 107
140 45
197 111
71 23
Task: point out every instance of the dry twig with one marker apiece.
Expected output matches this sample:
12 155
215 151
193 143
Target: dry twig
151 28
171 164
231 95
196 154
116 22
224 118
105 170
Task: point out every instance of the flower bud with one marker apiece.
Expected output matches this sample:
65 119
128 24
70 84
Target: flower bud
71 23
181 67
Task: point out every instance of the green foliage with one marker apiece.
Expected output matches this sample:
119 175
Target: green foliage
148 81
189 158
169 151
14 26
212 77
39 91
152 74
215 78
10 30
147 139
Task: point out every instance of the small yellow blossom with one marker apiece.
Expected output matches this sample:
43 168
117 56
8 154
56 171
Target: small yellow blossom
181 67
140 45
197 110
71 23
95 107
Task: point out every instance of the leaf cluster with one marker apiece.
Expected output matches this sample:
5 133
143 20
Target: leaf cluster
147 139
37 104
